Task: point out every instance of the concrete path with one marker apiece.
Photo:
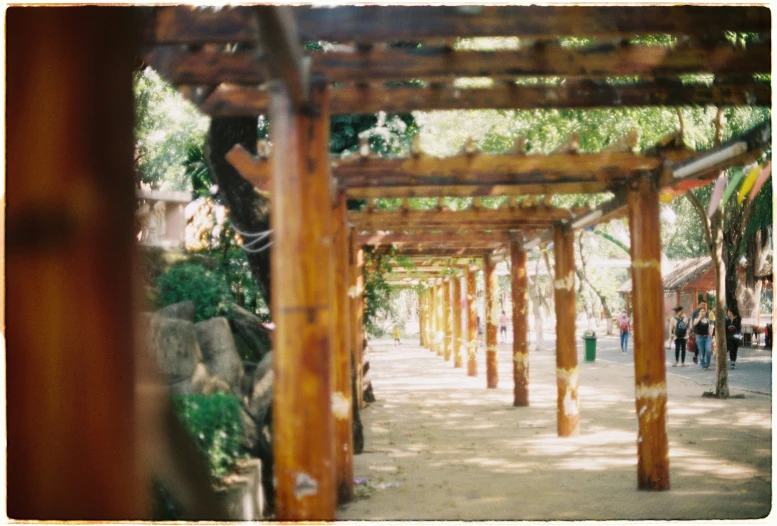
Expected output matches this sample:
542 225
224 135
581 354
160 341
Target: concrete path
440 446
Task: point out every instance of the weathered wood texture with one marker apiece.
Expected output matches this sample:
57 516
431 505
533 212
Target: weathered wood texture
342 395
232 100
208 67
71 409
567 375
439 337
456 336
356 293
421 318
649 354
472 324
303 427
492 320
450 220
422 238
519 286
183 25
448 317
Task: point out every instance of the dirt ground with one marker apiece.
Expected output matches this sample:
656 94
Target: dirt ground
440 446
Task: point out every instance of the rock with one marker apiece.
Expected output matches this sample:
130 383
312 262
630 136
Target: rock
252 340
214 384
173 343
219 353
183 310
199 378
261 390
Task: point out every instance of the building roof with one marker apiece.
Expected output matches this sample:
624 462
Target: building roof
684 272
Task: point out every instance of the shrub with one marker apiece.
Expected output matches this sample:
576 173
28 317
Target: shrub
215 424
188 281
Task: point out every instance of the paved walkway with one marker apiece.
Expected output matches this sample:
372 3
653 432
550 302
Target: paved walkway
440 446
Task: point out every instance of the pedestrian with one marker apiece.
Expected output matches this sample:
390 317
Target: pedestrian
692 347
703 329
480 332
503 327
678 329
733 334
624 324
396 335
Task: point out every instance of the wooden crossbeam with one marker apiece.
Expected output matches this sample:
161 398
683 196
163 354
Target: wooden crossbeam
185 25
441 252
419 238
180 66
233 100
447 220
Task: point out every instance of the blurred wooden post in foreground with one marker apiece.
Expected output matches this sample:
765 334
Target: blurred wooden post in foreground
472 324
519 284
456 336
71 442
303 427
567 407
492 321
649 354
342 396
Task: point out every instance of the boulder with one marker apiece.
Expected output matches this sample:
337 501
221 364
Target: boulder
218 351
173 343
261 391
214 384
183 310
252 339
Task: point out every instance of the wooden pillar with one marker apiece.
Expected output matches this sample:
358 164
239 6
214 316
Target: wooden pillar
342 396
448 314
492 321
70 260
356 293
649 354
472 327
439 314
568 410
302 285
519 284
432 318
457 333
429 317
421 317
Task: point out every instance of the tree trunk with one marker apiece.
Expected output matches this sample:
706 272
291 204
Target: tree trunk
249 211
721 359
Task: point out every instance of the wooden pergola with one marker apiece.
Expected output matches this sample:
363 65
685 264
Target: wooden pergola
251 61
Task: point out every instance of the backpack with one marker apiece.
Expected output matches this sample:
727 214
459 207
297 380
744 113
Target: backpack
681 329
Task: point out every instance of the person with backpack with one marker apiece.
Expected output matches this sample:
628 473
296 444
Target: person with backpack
678 329
624 325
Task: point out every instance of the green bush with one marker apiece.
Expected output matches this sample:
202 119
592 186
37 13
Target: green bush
215 424
191 282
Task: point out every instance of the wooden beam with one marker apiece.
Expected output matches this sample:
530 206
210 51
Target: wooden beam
492 321
472 325
649 353
518 285
234 100
425 237
567 374
456 338
342 395
303 426
280 47
441 252
206 67
185 25
482 219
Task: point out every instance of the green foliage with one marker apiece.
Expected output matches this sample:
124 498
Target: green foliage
215 424
377 294
166 127
191 282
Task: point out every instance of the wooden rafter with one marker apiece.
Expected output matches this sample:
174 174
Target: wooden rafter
448 220
186 25
421 238
206 67
231 99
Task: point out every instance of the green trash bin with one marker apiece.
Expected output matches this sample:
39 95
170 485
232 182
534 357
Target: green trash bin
590 346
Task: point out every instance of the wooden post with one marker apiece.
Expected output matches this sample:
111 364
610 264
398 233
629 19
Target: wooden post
472 327
492 321
519 285
72 441
457 335
433 317
356 293
568 410
649 354
421 318
448 316
342 396
302 285
439 313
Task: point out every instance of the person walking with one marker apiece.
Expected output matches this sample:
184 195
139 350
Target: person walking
733 334
678 329
702 328
624 325
503 327
692 347
396 335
